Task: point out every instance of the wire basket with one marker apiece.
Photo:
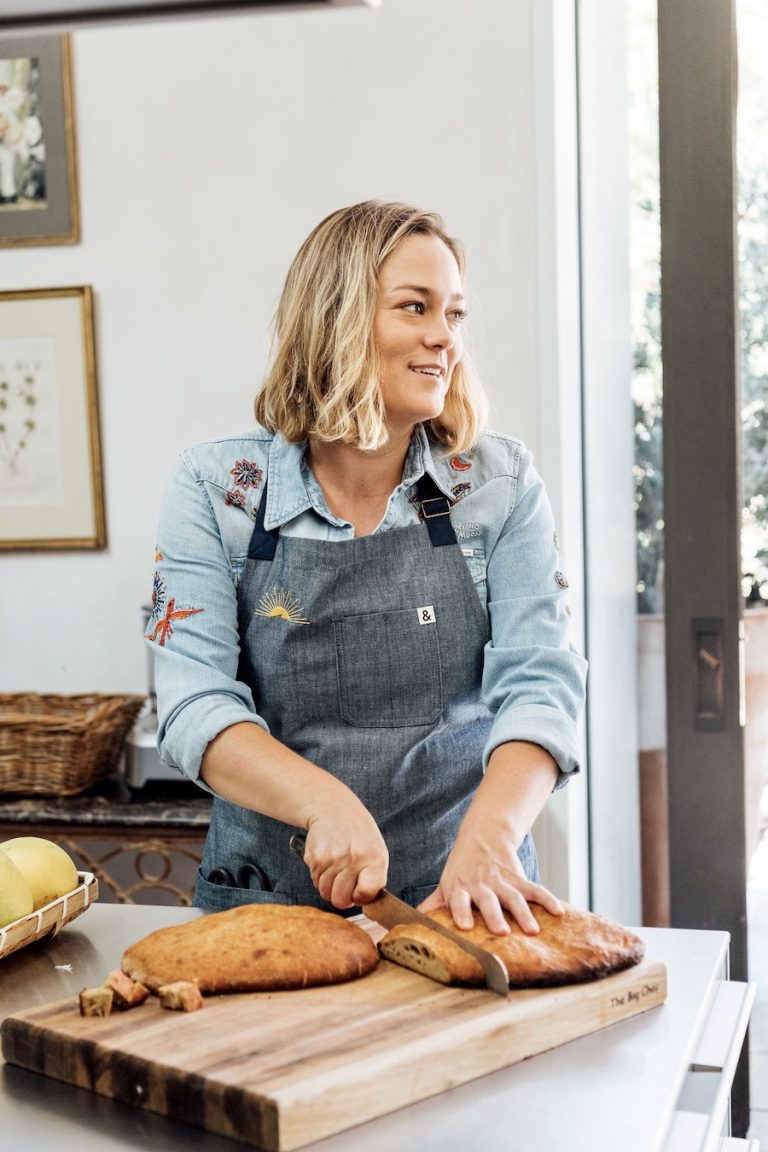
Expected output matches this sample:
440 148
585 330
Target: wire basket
61 745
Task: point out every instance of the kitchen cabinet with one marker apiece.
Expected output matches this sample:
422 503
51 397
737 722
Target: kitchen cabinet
658 1082
144 847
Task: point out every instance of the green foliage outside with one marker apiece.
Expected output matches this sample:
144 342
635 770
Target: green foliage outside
752 23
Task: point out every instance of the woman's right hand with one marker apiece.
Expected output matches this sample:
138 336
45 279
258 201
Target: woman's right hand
345 852
346 855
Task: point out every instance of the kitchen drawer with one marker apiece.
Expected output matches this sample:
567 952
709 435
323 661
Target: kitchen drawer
701 1120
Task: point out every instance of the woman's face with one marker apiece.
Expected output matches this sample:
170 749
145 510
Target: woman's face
417 329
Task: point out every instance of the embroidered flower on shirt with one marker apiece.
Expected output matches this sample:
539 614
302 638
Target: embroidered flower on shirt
158 593
158 555
281 605
460 491
247 474
561 580
235 498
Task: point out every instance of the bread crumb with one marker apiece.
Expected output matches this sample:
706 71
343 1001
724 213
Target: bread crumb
127 993
182 996
96 1001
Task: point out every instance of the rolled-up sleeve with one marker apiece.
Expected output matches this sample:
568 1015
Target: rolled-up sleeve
533 678
193 629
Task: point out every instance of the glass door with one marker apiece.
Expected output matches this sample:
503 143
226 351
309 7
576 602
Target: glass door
700 784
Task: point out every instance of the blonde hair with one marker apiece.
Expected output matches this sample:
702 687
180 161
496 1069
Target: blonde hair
324 380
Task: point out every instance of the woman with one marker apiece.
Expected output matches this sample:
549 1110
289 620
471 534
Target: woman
359 622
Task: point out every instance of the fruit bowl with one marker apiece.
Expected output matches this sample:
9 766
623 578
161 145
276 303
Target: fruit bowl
50 919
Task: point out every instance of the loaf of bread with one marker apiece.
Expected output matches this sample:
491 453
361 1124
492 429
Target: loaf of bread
258 947
576 946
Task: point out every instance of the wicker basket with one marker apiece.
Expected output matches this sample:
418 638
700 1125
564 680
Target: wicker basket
50 920
60 745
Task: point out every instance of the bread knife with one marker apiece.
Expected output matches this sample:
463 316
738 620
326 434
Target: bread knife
388 911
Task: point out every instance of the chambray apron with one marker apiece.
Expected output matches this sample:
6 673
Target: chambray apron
365 656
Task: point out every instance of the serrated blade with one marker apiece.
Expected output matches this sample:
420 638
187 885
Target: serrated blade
388 911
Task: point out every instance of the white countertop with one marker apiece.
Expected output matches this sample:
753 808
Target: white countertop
615 1089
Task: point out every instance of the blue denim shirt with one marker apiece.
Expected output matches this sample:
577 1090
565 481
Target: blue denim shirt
533 679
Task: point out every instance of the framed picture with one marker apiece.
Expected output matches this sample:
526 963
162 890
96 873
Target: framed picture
50 457
38 178
26 13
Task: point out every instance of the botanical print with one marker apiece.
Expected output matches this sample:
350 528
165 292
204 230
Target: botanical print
22 144
30 446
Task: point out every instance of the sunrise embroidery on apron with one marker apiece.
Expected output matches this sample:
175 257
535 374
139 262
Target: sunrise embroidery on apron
282 606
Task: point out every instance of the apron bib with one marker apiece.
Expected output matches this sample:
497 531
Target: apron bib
365 656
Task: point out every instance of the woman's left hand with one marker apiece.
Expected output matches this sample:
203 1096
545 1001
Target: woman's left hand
483 868
484 871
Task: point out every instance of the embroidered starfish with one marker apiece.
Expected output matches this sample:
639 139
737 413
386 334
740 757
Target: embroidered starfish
164 628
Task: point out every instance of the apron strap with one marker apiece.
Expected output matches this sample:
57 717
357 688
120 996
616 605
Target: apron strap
263 542
435 508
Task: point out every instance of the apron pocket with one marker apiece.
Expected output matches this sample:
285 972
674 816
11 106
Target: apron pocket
388 666
219 897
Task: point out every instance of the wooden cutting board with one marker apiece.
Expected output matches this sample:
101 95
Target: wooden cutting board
282 1070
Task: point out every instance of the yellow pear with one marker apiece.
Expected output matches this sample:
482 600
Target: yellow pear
47 868
15 893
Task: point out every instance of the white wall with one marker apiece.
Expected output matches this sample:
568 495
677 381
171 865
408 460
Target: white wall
208 148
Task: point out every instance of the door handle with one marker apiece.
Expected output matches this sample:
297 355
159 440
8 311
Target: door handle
708 695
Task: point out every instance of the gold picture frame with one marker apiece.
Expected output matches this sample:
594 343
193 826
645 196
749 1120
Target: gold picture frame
38 168
51 492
